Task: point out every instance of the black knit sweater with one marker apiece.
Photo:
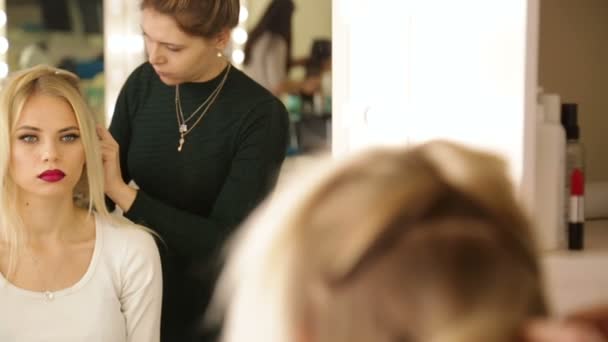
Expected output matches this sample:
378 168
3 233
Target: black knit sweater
195 198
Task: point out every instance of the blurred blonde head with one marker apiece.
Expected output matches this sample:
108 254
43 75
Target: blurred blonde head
89 193
420 244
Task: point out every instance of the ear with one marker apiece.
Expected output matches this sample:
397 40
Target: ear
222 39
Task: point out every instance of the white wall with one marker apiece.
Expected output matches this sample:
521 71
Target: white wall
411 74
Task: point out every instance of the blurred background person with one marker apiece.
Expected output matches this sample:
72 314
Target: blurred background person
268 56
422 244
34 54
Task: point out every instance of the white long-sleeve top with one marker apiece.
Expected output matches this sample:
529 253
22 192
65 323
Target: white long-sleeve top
118 299
267 61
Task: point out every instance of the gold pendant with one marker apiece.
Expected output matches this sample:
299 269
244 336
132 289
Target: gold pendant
181 143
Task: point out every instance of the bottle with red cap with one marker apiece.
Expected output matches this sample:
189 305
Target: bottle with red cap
575 168
576 215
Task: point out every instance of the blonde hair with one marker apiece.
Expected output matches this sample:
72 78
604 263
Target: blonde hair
420 244
89 192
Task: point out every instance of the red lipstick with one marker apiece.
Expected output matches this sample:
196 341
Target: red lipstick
52 176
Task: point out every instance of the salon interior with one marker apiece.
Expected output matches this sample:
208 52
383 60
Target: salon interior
402 72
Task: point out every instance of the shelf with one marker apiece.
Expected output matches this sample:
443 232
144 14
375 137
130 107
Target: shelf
596 241
579 279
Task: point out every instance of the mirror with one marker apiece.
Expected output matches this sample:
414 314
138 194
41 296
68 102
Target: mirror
307 91
62 33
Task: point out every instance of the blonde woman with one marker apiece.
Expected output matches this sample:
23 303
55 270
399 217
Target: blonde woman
68 270
422 244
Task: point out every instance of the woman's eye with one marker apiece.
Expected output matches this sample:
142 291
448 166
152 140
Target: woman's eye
70 137
173 48
28 138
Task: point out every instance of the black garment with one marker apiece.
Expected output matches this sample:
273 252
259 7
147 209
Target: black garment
195 198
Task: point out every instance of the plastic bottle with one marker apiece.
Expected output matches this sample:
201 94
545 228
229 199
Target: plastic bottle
575 151
550 173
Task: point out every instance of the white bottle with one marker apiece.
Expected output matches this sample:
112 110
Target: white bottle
550 173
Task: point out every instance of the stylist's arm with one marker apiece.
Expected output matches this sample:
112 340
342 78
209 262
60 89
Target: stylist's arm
118 191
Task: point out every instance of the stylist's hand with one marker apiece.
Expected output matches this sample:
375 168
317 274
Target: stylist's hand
115 187
549 330
590 324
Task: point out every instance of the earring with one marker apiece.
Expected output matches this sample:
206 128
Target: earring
219 54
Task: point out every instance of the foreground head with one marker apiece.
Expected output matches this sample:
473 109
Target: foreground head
421 244
184 37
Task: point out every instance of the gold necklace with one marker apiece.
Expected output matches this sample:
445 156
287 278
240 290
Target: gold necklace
182 122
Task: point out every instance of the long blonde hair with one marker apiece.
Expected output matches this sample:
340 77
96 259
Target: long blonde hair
89 193
420 244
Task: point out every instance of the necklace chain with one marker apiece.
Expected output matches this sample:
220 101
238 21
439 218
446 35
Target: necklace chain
48 294
179 105
182 121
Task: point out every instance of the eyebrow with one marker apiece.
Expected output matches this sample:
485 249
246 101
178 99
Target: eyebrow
164 43
32 128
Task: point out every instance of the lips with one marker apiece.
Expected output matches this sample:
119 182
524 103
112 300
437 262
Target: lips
162 74
52 176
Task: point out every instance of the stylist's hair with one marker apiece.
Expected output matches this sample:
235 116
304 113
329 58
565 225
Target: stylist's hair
89 192
204 18
421 244
276 20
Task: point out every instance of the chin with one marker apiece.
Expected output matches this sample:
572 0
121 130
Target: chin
56 195
169 81
57 190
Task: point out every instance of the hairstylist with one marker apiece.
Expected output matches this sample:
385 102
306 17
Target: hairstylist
202 142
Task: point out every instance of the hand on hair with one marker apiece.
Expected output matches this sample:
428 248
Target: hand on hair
115 187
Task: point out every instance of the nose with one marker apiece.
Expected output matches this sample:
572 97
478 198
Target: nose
154 55
50 152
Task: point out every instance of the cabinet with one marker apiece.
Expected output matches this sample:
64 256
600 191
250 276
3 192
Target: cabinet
575 280
572 55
